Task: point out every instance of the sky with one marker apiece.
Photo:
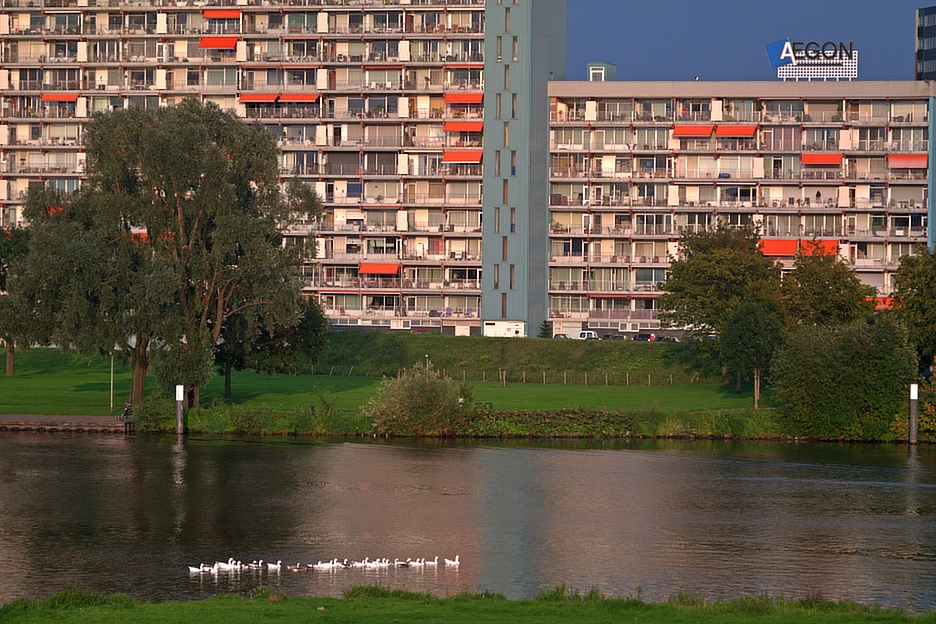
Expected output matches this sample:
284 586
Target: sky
725 39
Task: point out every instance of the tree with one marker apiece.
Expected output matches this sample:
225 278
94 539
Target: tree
278 349
545 329
843 382
823 290
749 341
915 293
175 232
714 272
14 244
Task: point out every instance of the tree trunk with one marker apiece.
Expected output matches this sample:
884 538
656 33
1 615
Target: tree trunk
227 380
10 359
737 387
139 364
757 380
725 375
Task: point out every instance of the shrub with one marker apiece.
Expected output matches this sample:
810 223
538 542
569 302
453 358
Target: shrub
420 401
843 383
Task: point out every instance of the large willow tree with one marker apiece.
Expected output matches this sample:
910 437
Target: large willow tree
176 231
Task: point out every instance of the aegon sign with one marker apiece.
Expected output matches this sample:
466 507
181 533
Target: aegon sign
786 52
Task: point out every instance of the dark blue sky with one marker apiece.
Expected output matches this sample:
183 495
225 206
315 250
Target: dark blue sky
724 39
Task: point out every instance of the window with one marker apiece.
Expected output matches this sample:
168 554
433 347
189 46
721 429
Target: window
512 276
499 48
516 49
506 192
497 105
513 222
503 305
506 134
497 219
496 276
497 163
513 162
513 106
506 76
504 248
507 20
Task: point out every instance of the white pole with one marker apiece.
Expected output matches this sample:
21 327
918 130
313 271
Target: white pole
179 398
914 396
112 383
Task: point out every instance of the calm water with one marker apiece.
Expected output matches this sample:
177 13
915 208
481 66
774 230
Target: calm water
717 519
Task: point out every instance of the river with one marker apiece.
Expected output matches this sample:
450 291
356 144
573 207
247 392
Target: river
648 518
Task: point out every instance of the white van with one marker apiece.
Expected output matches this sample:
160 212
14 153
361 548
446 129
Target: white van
587 334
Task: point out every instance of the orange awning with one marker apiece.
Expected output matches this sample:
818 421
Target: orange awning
299 97
59 97
778 247
821 159
907 161
819 247
217 43
222 13
735 131
463 126
467 156
692 131
257 97
882 303
464 98
374 268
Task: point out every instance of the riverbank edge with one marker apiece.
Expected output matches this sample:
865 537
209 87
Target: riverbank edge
733 424
374 603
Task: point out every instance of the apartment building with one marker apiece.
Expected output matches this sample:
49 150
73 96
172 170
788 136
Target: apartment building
379 104
925 48
637 164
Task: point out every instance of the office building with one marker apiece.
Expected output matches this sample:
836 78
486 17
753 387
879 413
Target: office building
926 44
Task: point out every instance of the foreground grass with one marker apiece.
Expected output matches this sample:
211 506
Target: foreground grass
377 605
49 382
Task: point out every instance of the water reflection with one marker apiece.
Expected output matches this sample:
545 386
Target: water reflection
715 518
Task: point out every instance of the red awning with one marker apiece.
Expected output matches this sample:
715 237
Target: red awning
467 156
60 97
464 98
258 97
692 131
217 43
882 303
821 159
222 13
373 268
463 126
778 247
907 161
819 247
299 97
735 131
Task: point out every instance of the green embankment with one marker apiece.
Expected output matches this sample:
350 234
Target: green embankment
620 376
372 605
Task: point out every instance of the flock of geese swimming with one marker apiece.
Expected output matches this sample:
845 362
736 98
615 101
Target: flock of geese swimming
234 566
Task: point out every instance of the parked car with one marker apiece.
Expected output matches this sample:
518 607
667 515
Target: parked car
612 337
560 336
645 337
587 334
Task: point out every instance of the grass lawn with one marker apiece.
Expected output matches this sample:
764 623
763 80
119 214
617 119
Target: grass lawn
48 382
379 606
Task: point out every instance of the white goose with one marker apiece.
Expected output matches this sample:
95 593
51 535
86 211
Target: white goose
452 562
296 568
431 562
275 567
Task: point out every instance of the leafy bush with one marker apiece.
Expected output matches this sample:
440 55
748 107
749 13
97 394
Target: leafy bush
420 401
843 383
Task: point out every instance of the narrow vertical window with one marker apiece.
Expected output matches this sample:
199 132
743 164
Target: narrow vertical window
513 220
512 276
503 305
496 277
516 49
496 219
506 192
504 248
497 162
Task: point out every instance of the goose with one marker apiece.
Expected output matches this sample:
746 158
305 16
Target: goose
360 564
296 568
197 569
275 567
452 562
230 565
418 563
431 562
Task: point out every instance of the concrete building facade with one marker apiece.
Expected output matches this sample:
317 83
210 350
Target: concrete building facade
637 164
